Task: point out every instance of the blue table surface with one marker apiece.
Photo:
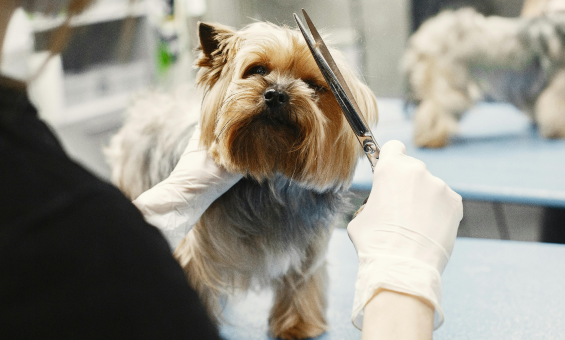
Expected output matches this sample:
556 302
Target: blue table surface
491 290
497 155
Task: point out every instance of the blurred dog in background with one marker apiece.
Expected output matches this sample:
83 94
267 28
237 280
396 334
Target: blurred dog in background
267 113
460 57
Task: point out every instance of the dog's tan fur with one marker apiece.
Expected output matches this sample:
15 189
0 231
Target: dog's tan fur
287 57
272 228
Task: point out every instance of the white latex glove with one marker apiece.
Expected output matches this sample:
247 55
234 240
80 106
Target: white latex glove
404 236
176 204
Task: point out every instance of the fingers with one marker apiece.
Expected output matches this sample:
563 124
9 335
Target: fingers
389 151
392 158
392 148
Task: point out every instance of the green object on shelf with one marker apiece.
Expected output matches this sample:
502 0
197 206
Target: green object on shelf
165 57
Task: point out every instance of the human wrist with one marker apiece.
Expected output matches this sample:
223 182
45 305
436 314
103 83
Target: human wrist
401 240
391 315
399 274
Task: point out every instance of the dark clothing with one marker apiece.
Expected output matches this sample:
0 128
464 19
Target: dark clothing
77 259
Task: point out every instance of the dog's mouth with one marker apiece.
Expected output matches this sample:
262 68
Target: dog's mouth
278 118
266 145
263 139
273 132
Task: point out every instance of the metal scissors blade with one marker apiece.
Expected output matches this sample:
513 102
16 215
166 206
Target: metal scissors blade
341 91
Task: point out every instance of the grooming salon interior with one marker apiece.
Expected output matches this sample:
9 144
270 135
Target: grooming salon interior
474 88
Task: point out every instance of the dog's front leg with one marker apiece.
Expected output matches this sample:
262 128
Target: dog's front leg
550 108
300 305
433 124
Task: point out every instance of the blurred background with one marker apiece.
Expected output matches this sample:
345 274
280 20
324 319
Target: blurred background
121 47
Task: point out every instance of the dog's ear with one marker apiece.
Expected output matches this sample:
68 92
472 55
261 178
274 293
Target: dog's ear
214 43
217 44
210 36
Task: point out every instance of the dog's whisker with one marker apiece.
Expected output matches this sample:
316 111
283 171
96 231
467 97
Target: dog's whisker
232 97
223 128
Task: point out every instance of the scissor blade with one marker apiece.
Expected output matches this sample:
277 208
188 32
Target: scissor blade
355 120
347 103
321 46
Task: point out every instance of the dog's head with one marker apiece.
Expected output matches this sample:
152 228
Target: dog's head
267 109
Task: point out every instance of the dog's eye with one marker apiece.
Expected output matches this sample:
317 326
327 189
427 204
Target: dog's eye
258 69
315 86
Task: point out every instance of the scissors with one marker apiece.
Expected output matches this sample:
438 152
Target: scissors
341 91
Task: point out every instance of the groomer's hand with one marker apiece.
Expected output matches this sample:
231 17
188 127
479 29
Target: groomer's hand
176 204
405 234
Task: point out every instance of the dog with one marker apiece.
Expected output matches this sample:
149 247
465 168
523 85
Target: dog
460 57
266 113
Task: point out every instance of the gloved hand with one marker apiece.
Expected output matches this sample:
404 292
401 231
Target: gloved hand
176 204
404 236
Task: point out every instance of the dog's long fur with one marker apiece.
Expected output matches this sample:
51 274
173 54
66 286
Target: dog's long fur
460 57
273 226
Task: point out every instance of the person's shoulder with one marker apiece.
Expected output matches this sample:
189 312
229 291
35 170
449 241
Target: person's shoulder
97 245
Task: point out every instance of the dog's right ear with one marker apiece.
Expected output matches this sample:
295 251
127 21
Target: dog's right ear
218 43
214 42
210 37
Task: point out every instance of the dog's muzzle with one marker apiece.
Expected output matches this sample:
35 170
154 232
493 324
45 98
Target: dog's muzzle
275 98
277 106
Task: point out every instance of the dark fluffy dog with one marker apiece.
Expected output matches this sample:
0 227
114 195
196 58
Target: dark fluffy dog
268 114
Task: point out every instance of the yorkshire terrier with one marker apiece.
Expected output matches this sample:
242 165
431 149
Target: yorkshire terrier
460 57
268 114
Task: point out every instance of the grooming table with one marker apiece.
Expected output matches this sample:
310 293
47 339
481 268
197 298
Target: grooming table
496 156
491 290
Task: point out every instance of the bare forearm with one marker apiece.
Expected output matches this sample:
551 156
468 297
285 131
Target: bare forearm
390 315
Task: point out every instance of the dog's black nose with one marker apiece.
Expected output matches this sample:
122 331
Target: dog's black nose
275 98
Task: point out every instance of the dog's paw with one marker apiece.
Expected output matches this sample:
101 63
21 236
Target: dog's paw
434 142
433 125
